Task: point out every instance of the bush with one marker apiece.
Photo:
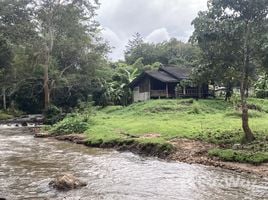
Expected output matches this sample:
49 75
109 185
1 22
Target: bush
262 94
71 124
5 116
255 158
52 115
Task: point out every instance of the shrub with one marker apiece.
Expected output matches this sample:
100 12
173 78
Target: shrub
71 124
52 115
5 116
262 94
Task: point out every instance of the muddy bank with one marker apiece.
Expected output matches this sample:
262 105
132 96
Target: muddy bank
146 149
181 150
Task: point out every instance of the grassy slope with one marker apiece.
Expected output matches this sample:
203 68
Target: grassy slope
209 120
213 121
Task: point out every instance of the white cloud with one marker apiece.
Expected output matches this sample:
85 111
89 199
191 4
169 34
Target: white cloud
154 18
117 44
158 35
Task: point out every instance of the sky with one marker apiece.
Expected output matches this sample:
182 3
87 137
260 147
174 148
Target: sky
155 20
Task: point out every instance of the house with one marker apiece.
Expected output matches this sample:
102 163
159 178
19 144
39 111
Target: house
166 82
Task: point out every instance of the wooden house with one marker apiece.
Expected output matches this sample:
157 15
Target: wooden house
166 82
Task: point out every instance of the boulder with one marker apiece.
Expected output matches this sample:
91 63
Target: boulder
42 135
66 182
24 124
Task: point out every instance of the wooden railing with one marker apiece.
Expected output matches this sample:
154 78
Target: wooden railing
158 93
190 93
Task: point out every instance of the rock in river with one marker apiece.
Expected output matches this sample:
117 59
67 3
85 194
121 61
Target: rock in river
66 182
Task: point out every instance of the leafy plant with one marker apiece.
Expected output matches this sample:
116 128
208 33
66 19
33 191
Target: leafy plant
52 115
71 124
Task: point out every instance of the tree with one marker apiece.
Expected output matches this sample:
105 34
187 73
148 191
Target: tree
5 62
229 33
16 30
172 52
66 29
54 41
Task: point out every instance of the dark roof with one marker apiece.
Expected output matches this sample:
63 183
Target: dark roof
164 74
177 72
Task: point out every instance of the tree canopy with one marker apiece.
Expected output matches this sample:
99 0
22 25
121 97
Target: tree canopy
229 34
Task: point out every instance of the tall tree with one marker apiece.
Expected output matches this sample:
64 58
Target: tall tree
61 38
5 62
229 33
63 21
172 52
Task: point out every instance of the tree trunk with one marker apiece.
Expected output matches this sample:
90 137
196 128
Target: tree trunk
199 91
49 48
244 86
4 98
249 137
46 86
213 92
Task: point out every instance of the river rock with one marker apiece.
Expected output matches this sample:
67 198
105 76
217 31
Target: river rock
42 135
24 124
66 182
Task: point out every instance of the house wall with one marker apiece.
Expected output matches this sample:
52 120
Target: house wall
137 96
145 85
142 91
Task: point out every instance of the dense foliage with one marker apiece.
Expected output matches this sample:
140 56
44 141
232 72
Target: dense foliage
172 52
50 53
230 34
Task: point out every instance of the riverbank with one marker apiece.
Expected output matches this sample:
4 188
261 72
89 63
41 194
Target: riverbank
29 164
182 150
168 128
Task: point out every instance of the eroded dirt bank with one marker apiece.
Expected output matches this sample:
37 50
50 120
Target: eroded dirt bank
184 150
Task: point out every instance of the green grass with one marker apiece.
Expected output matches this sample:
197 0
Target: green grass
203 119
5 116
255 158
71 124
213 121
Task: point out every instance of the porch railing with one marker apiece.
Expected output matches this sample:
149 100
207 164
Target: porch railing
158 93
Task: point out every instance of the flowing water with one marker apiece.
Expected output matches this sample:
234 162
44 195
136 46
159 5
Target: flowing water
28 164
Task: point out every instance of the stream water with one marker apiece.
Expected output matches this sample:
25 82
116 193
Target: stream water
28 164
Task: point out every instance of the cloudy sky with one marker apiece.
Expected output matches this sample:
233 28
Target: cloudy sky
155 20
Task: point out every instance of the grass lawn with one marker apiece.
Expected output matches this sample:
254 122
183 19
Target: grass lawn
203 119
214 121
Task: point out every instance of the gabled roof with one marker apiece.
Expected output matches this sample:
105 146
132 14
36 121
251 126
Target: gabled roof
162 76
170 74
177 72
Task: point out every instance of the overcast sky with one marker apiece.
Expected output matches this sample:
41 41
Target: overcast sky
155 20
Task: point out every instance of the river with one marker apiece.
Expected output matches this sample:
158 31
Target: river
28 164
